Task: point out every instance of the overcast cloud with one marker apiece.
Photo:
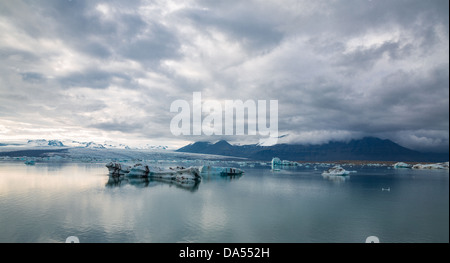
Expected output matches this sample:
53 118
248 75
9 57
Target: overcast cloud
342 69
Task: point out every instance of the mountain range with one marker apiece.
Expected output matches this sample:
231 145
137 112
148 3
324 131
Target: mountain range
77 144
366 149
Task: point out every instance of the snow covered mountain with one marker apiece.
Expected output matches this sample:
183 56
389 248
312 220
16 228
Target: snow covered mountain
90 145
41 143
151 147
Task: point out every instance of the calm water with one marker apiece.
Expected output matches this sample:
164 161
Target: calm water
49 202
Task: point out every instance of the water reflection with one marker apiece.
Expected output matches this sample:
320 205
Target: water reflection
48 204
189 185
215 177
113 182
336 178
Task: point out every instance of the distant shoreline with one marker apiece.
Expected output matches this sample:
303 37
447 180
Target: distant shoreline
359 162
32 153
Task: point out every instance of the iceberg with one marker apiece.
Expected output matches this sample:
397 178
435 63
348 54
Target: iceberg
145 171
401 165
439 166
220 170
277 163
288 163
117 169
139 170
336 171
177 173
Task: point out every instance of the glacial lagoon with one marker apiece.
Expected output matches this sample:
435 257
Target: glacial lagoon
48 202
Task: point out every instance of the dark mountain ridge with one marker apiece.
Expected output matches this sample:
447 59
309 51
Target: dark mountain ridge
366 149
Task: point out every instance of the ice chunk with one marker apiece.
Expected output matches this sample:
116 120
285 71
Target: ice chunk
117 169
220 170
276 163
431 166
289 163
336 171
144 171
177 173
139 170
401 165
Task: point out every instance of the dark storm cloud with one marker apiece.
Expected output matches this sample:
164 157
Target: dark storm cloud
33 77
354 17
252 29
125 127
92 78
159 43
364 59
18 55
96 49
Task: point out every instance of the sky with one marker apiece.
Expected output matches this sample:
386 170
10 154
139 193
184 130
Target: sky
340 69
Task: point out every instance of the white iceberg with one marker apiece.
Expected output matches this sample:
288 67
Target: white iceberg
439 166
276 162
288 163
139 170
401 165
177 173
336 171
145 171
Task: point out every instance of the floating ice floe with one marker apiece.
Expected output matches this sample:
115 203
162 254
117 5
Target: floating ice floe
432 166
276 163
336 171
146 171
401 165
220 170
117 169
